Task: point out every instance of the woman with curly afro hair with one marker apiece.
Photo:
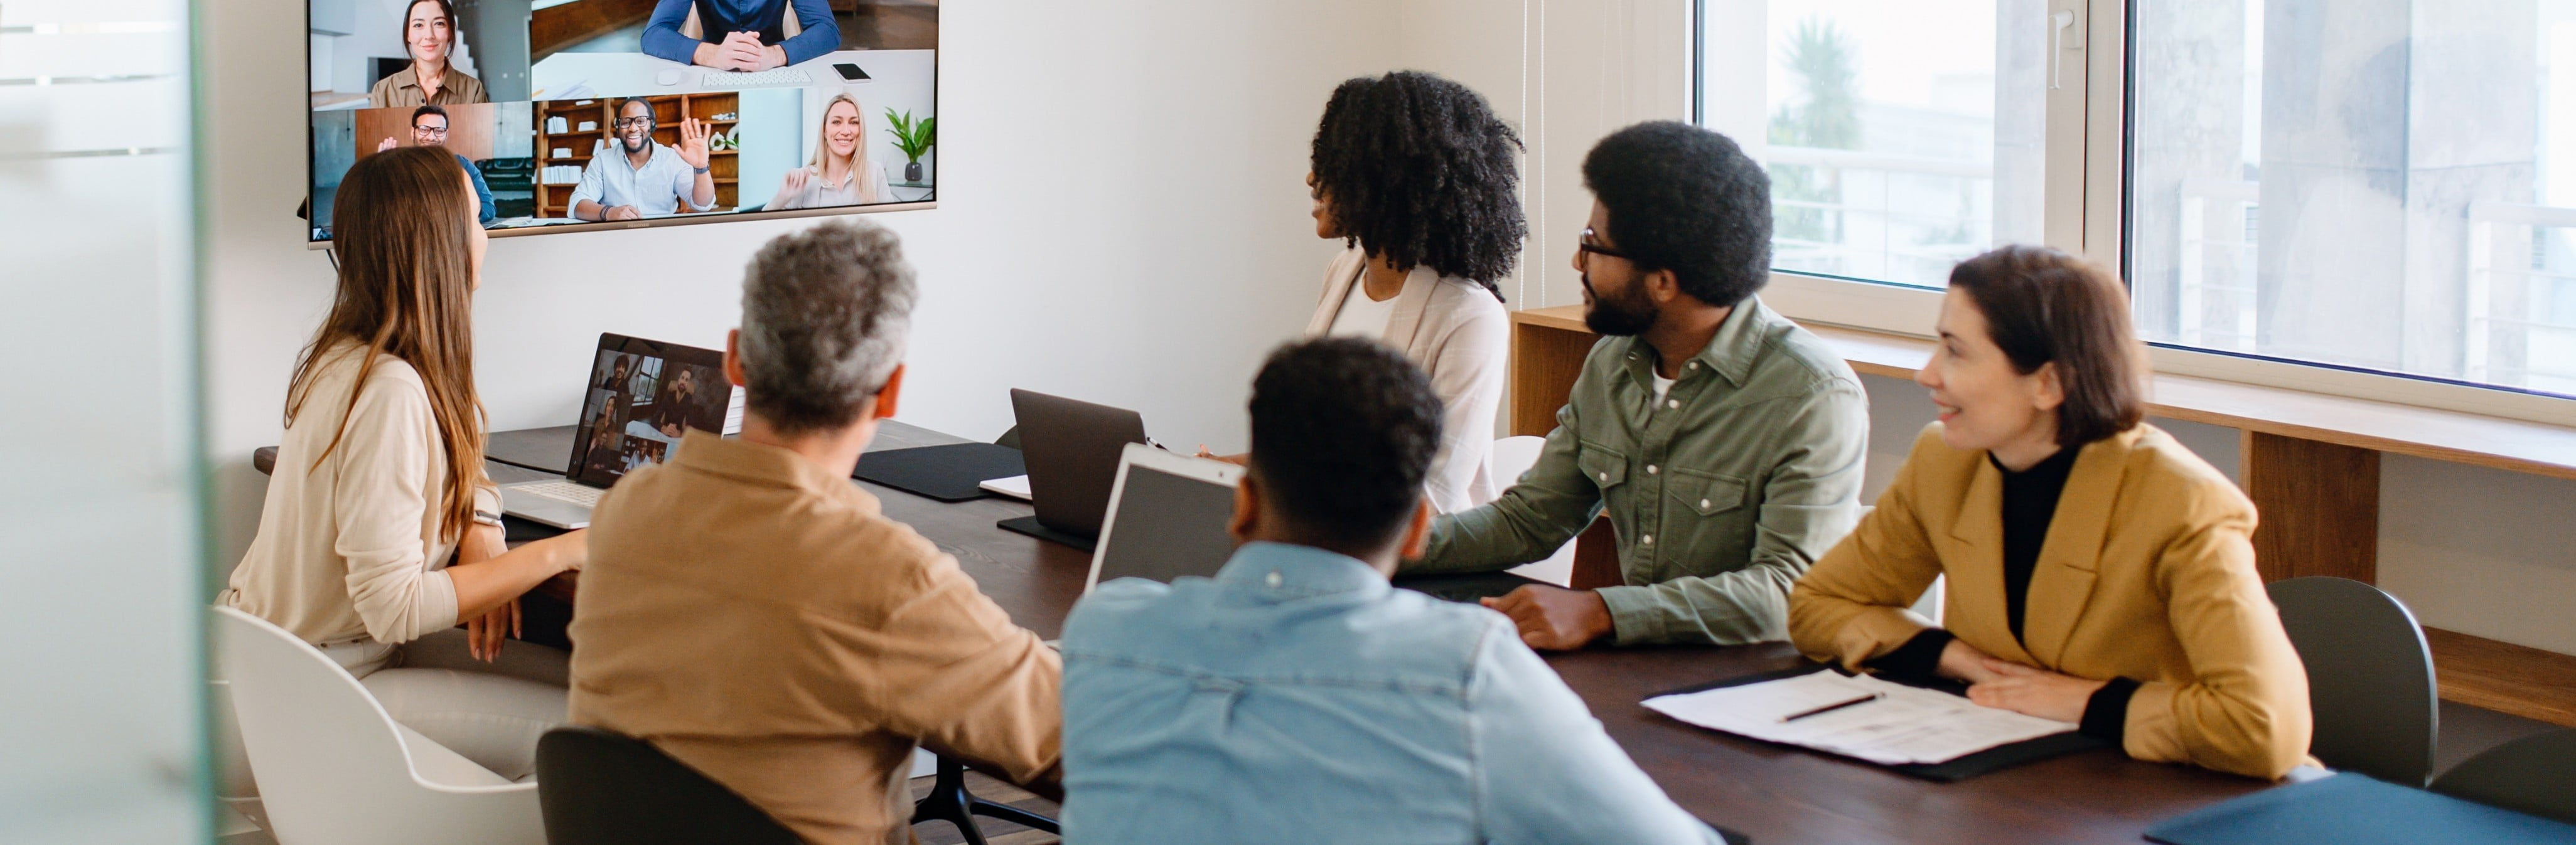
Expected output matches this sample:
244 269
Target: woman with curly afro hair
1418 177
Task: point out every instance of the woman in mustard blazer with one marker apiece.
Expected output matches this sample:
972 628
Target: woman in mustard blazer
2100 573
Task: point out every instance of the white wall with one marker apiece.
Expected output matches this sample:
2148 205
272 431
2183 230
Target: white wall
1123 219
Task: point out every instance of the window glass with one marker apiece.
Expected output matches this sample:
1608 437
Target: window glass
1901 135
2373 184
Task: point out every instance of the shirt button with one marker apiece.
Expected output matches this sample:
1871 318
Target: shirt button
1691 366
1647 540
1703 503
1672 403
1652 469
1605 478
1272 579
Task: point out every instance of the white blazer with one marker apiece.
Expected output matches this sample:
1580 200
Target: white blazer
1456 331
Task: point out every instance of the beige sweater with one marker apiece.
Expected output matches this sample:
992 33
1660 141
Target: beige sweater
349 550
1460 335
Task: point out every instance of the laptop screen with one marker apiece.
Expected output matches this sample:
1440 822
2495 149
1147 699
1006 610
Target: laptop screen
640 397
1166 526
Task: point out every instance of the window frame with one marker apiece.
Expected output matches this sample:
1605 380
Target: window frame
2086 189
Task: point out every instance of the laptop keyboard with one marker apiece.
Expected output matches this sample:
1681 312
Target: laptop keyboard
563 491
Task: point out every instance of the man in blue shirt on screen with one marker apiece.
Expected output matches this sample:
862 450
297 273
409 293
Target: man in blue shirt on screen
1297 696
745 35
637 178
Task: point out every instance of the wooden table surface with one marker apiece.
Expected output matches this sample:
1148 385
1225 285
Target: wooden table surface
1773 794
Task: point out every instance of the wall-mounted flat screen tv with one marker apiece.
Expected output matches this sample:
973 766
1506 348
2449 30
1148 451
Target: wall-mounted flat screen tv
587 114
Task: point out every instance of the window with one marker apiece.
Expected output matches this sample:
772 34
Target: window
1901 135
2377 187
2358 184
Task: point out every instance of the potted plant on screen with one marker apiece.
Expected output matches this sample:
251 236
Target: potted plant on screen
913 138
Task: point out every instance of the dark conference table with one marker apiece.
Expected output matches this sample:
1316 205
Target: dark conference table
1773 794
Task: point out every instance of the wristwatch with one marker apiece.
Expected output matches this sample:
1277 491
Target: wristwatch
699 170
483 517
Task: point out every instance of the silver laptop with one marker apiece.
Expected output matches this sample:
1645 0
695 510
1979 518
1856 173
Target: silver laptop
641 395
1167 518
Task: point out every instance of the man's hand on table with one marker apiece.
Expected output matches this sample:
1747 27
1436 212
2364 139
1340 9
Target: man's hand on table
1555 618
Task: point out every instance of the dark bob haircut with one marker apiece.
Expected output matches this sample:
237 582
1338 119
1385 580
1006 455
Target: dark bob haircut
1421 173
2043 306
1686 199
1343 431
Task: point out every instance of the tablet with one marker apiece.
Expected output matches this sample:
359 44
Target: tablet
1167 517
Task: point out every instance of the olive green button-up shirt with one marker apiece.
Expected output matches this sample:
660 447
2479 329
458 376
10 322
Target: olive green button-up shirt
1721 495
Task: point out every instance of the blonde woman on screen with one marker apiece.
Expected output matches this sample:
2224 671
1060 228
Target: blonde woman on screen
841 172
379 535
429 35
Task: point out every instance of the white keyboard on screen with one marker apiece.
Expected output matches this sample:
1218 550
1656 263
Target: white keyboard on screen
772 78
564 491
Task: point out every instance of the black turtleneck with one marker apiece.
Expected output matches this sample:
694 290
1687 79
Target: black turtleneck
2029 504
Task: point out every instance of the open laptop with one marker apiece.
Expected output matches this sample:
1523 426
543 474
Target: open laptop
1166 518
640 396
1071 450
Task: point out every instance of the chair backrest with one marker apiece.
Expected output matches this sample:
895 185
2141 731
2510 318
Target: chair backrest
2370 677
601 787
1512 456
330 763
2535 774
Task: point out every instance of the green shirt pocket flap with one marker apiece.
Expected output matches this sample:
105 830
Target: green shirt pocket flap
1604 467
1707 493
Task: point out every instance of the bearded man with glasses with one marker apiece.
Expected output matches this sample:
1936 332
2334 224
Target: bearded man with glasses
1724 442
429 129
638 178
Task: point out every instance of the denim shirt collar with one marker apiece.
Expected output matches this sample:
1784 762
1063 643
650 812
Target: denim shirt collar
1282 572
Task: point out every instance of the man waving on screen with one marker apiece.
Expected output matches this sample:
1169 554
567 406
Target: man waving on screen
649 178
744 35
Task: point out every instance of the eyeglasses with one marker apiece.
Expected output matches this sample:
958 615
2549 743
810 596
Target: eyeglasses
1589 243
439 131
629 122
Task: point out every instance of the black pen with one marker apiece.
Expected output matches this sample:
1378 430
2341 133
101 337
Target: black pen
1832 707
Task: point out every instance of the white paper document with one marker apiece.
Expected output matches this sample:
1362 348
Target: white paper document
1016 487
1900 725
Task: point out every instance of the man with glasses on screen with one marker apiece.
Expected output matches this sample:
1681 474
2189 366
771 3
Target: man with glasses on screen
429 129
640 178
1724 442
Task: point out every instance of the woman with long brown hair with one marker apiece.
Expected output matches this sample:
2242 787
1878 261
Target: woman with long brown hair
379 482
841 172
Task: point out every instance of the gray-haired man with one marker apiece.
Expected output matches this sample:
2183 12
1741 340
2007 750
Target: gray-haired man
752 613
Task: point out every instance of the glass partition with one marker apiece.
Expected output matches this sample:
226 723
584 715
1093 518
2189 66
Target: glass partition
101 593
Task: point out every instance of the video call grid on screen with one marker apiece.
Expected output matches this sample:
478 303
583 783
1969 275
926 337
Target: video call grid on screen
533 92
637 406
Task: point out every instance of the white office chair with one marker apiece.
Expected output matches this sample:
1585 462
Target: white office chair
1511 457
333 767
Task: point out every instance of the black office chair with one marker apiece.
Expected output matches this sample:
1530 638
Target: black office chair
949 802
2535 774
2370 676
599 787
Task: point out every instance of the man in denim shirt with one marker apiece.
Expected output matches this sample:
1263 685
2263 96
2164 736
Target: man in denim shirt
1297 697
